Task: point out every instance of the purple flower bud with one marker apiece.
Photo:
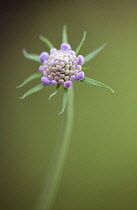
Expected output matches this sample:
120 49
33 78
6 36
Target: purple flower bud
57 73
65 60
62 76
80 76
53 74
47 71
50 77
62 64
67 84
65 47
56 78
45 62
78 67
41 68
54 82
66 77
73 67
71 60
58 67
80 60
61 81
75 72
70 63
67 72
56 62
67 67
54 69
44 73
62 70
45 81
50 69
72 77
43 56
53 50
75 62
45 67
74 57
70 72
51 63
72 52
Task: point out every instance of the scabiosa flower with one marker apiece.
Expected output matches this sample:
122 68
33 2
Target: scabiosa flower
61 67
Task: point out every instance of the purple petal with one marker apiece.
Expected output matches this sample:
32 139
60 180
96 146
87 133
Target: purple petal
45 81
72 77
67 84
61 81
56 78
43 56
66 77
78 67
54 82
65 47
80 60
41 68
53 50
80 76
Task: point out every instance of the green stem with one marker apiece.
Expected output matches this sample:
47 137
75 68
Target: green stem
57 165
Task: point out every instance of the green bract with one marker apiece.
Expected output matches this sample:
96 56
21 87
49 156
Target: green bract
96 83
91 55
46 41
81 43
30 78
36 57
30 56
57 88
65 99
33 90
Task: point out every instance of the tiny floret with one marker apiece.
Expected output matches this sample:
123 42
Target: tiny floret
43 56
41 68
53 50
54 82
45 81
80 60
61 66
79 76
65 47
67 84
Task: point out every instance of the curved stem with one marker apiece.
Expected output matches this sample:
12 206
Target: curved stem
57 165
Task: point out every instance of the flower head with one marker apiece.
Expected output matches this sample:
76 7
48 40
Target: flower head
61 67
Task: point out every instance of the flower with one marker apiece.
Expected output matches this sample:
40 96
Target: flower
61 67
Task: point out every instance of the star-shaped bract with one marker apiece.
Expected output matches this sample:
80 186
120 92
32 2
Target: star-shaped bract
61 67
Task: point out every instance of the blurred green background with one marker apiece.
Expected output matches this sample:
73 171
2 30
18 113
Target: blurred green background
101 168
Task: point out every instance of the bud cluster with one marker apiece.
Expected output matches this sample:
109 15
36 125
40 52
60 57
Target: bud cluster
61 66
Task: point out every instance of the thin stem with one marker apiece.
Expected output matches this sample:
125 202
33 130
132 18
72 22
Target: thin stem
57 165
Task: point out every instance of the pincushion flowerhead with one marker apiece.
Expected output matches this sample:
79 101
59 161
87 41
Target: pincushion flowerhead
61 67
